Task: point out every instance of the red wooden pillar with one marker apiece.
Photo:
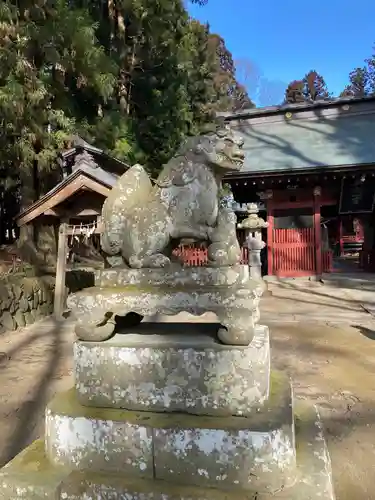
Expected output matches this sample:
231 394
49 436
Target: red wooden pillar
318 232
341 241
270 221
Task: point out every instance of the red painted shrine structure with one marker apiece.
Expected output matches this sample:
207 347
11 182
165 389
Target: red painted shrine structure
311 169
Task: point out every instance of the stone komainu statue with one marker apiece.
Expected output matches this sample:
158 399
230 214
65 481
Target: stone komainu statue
142 222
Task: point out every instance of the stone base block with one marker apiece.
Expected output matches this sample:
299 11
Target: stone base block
256 452
31 477
89 438
228 292
174 367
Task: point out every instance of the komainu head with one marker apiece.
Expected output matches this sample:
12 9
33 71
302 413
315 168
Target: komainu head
220 148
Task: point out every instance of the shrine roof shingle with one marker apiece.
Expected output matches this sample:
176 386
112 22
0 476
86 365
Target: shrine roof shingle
298 137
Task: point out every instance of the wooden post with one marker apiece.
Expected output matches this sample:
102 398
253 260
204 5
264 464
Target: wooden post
341 241
318 232
270 234
62 248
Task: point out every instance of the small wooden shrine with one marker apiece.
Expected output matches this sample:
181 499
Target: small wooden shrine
73 207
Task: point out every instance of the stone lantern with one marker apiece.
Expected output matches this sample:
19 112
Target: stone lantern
253 226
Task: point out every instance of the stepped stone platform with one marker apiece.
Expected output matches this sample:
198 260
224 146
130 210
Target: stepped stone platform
177 447
174 450
32 475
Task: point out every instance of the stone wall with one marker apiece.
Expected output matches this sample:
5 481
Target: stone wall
78 279
24 300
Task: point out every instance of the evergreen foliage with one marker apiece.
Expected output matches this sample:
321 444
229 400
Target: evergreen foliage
132 77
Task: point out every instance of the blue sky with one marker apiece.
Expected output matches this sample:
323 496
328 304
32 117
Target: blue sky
277 41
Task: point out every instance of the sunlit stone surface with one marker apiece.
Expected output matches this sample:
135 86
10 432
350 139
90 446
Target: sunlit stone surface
160 368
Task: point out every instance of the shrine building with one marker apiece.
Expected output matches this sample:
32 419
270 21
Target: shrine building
311 169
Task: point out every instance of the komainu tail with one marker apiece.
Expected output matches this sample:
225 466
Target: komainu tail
133 188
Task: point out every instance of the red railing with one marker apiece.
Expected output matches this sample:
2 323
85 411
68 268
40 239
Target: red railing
192 256
327 261
293 252
351 238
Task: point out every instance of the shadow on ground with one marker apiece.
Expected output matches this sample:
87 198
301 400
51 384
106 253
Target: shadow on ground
333 295
27 416
367 332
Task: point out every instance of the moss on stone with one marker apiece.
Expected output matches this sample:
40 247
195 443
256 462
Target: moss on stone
168 287
28 455
274 414
278 381
31 475
306 421
31 459
79 483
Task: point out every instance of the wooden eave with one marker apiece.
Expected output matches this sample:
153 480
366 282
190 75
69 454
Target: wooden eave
334 169
356 105
77 181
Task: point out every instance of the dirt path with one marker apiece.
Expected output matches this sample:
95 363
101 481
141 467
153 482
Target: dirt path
332 366
35 362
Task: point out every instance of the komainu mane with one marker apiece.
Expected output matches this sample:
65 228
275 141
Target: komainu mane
142 221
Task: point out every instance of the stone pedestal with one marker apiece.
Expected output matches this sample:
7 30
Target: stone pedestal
255 246
226 291
168 370
253 453
168 412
